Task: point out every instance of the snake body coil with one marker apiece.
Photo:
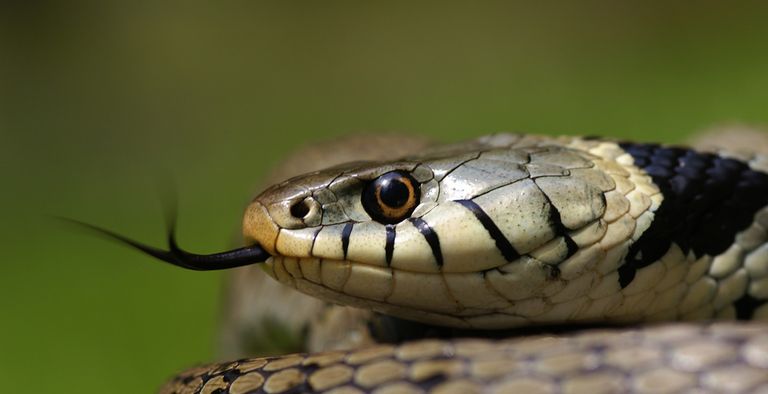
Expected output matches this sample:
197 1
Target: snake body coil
515 231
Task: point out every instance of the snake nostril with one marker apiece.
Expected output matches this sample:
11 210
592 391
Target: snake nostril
300 209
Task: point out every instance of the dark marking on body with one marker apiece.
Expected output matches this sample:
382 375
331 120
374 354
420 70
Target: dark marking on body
232 374
708 199
571 245
627 272
389 248
746 306
556 223
432 239
502 243
553 273
346 232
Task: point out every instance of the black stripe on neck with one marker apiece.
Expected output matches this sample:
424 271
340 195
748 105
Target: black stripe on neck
708 199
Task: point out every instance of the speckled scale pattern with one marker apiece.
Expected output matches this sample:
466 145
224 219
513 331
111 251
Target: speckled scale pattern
717 358
708 199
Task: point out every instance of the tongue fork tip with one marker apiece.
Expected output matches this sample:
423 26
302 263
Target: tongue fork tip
176 256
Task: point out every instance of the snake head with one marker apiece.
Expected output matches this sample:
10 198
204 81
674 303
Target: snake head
500 232
491 234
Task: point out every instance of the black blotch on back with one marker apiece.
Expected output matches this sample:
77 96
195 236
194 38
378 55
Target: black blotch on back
708 199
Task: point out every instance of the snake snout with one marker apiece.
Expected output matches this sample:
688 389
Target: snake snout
259 227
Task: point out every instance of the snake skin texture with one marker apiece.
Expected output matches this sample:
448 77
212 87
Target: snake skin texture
723 357
512 231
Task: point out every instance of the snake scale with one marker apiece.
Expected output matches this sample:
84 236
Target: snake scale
512 231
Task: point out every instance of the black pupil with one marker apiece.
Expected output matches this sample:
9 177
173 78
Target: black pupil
394 193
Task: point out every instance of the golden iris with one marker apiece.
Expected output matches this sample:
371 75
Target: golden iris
391 197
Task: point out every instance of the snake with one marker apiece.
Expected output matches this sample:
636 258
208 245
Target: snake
509 233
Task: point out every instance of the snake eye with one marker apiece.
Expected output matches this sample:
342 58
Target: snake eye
391 197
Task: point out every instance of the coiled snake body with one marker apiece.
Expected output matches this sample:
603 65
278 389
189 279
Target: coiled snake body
511 231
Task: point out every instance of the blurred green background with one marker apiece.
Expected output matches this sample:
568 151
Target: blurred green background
99 101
